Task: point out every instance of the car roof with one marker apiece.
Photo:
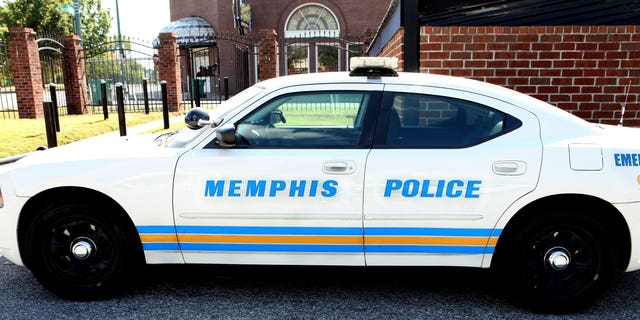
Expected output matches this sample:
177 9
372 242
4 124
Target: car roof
403 78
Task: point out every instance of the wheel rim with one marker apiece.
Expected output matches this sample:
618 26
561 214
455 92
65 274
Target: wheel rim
79 250
562 261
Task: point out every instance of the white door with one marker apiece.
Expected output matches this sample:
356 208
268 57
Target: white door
444 166
290 191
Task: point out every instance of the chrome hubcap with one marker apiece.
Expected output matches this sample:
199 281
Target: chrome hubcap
82 248
557 258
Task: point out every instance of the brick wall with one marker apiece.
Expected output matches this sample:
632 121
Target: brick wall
395 48
585 70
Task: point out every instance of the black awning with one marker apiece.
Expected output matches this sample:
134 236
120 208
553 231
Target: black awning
529 12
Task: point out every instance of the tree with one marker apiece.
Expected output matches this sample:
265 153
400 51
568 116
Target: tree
44 16
95 22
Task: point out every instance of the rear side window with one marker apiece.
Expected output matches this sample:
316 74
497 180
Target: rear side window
429 121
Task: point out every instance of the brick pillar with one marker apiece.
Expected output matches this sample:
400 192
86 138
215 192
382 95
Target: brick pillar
27 75
268 55
169 65
75 79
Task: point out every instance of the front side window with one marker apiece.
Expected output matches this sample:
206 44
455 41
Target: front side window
316 119
429 121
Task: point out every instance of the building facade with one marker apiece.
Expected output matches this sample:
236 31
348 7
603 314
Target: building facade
313 36
581 56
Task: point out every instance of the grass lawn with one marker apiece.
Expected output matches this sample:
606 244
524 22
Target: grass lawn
25 135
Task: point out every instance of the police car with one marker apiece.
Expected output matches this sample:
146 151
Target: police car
368 168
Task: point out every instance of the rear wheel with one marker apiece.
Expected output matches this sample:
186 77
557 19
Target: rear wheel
559 261
79 251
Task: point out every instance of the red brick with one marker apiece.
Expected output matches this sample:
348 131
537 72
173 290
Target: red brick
506 72
594 73
608 46
561 81
609 64
483 72
494 46
497 64
507 55
475 64
563 64
549 55
528 73
590 89
460 55
450 63
506 38
586 64
519 46
547 89
542 46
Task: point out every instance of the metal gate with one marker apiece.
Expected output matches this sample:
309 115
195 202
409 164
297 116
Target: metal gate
203 78
313 52
126 61
8 99
50 50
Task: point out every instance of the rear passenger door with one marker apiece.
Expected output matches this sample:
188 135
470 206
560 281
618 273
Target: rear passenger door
445 165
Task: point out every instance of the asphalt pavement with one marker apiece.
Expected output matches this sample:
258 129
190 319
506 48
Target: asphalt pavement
253 292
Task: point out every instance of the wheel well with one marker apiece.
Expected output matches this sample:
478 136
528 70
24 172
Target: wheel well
57 196
603 212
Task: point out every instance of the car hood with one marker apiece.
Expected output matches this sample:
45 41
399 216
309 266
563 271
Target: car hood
99 148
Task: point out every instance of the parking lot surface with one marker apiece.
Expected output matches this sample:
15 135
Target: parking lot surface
248 292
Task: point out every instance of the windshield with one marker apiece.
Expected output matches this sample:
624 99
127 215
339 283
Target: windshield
182 137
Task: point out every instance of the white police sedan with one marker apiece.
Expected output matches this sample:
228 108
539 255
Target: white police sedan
369 168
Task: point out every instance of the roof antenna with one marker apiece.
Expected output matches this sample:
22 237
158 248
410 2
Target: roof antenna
624 105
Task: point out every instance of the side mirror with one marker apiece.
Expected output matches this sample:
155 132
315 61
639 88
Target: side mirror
226 136
197 118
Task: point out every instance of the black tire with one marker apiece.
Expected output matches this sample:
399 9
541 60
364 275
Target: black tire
103 260
558 261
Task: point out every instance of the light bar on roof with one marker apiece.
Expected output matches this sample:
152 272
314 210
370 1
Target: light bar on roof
373 62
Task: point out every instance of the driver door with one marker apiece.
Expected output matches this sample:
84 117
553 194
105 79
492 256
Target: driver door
291 189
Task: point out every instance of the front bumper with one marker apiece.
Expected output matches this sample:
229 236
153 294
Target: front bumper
9 224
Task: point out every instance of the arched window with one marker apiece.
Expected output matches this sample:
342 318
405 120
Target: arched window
311 28
312 20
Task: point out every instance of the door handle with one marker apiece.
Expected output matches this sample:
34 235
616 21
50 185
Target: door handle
510 168
339 167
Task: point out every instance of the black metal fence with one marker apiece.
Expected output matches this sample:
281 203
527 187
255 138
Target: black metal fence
8 99
129 62
50 48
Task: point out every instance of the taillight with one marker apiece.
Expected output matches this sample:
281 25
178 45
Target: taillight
1 199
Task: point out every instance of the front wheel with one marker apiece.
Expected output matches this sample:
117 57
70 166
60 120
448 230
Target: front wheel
79 251
559 262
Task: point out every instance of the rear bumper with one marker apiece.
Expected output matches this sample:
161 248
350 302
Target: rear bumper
631 213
